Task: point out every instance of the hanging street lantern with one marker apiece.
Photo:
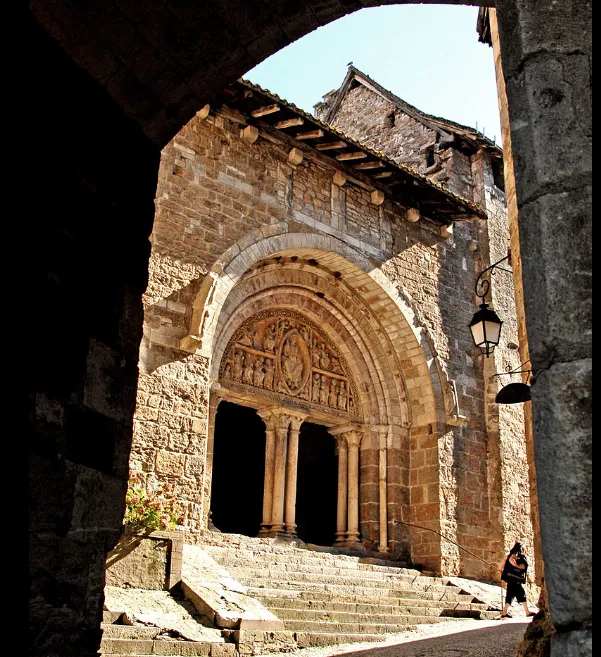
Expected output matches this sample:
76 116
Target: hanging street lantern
486 325
486 329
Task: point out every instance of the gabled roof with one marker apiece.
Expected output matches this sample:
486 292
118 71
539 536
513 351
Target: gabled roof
465 138
249 104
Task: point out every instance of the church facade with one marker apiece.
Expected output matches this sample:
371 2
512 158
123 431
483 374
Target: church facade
306 369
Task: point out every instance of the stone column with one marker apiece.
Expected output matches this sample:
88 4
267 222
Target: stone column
270 421
353 439
341 514
383 432
291 474
279 474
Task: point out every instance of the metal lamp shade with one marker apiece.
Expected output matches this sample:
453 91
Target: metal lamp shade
514 393
486 329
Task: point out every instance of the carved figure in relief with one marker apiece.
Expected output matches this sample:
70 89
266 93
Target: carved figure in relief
259 374
335 366
342 396
227 371
333 398
248 368
292 362
238 363
245 338
324 390
315 353
268 380
324 358
305 333
315 392
257 338
270 336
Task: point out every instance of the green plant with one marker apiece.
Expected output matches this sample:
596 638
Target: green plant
151 510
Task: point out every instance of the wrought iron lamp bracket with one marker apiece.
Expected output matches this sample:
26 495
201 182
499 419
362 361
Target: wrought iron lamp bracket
483 283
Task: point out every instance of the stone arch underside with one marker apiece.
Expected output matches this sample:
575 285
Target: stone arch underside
196 60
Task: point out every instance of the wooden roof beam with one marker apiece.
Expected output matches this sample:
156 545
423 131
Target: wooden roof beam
266 109
384 174
331 145
289 123
312 134
365 166
357 155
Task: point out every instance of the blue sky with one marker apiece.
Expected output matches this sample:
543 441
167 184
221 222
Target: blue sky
428 55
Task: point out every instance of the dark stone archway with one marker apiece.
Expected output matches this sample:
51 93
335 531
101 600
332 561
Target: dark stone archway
238 470
109 86
316 485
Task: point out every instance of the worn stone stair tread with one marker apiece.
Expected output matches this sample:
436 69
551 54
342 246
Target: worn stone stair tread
318 639
338 590
116 631
363 606
164 647
358 617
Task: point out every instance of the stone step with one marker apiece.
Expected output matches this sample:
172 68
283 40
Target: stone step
319 639
112 616
449 594
419 607
324 627
333 616
232 563
310 558
398 582
166 648
116 631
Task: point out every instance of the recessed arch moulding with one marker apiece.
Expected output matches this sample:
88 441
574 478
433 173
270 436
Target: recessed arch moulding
325 296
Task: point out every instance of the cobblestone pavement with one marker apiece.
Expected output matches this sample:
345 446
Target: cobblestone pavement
469 638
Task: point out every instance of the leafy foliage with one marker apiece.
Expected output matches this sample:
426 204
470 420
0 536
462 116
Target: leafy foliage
151 510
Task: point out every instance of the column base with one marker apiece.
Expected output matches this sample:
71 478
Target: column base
276 530
264 531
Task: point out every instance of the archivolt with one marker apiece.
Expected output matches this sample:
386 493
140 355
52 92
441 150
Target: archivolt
380 309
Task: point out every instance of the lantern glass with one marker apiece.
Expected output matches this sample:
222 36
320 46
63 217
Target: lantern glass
486 329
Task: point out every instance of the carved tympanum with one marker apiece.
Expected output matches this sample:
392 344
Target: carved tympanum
283 353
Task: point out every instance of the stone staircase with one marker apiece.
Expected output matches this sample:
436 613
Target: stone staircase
327 598
158 624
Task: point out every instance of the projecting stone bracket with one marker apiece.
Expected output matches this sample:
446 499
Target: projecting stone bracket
190 343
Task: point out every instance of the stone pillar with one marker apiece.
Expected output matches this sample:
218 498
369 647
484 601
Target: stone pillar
282 425
291 472
353 439
270 421
383 485
341 514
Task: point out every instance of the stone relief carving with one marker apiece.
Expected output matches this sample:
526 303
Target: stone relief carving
283 353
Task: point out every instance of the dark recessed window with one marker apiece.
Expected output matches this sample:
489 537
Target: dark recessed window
430 156
498 174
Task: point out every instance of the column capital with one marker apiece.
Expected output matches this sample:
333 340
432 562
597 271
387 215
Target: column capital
353 432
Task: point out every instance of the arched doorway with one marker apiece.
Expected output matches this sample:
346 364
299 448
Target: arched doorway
316 485
238 469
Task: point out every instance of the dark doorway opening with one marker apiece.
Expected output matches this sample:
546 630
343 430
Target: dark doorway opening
317 485
238 470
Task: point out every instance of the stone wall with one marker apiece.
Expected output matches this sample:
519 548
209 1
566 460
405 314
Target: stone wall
503 514
219 201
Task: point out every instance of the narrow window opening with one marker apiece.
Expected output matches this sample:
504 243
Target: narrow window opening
498 174
389 119
430 156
